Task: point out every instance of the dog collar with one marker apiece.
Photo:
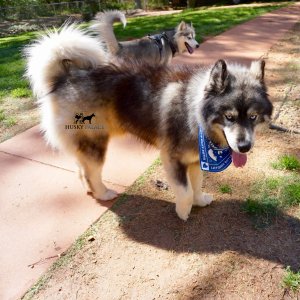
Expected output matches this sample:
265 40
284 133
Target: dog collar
212 157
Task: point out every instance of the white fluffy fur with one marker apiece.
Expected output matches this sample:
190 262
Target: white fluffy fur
45 56
256 69
168 95
103 25
44 64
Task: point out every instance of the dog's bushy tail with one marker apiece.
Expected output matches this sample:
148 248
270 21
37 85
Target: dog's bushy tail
103 26
53 53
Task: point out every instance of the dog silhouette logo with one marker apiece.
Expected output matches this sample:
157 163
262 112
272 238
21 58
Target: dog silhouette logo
79 118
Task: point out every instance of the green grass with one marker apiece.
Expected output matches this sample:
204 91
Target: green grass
7 121
225 189
262 211
287 162
10 121
291 280
271 195
21 92
206 22
2 115
291 194
12 66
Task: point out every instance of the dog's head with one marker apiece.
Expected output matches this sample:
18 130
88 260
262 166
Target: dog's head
185 38
235 103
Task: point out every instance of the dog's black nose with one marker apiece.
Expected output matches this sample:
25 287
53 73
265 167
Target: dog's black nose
244 146
197 46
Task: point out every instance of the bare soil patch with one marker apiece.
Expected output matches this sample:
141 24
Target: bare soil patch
140 249
283 65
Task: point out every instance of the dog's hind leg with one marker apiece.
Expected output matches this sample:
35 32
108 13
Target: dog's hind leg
196 177
90 156
180 183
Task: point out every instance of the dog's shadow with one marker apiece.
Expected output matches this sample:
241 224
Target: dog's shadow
220 227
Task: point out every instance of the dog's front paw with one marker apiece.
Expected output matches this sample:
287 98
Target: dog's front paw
183 211
203 199
106 196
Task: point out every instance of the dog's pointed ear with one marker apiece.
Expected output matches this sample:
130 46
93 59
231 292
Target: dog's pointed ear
181 26
257 68
218 78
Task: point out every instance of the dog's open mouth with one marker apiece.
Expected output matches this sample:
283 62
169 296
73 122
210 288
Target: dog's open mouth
239 159
189 48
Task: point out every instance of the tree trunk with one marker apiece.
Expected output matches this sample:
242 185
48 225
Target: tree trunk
191 3
138 4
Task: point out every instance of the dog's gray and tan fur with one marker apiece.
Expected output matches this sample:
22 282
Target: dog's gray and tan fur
158 50
163 106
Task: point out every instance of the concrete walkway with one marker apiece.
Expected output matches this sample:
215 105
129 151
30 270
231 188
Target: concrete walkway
43 207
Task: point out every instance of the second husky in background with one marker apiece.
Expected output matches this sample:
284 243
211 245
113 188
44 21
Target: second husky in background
157 49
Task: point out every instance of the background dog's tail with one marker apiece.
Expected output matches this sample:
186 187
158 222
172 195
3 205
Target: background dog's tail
103 26
54 53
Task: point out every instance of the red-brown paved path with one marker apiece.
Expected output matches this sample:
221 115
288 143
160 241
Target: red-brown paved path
43 207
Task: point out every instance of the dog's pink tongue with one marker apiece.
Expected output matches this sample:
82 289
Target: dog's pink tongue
239 159
189 48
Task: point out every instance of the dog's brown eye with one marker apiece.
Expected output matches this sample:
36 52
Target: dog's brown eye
253 117
229 117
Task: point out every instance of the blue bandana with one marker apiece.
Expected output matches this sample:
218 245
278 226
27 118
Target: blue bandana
212 158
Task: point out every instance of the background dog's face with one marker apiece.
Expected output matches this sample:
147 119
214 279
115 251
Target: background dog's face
236 101
185 38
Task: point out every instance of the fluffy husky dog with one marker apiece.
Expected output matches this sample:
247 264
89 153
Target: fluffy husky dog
155 49
71 74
